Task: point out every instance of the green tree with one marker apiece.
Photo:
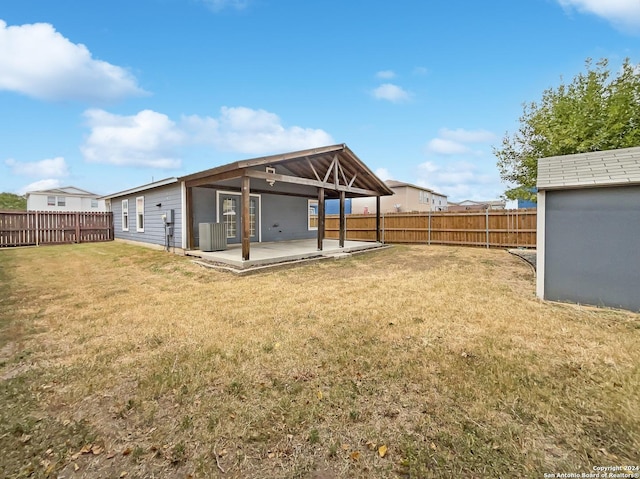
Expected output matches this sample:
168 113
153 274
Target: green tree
9 201
596 111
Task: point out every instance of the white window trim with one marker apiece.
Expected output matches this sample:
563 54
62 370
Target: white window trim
235 193
125 210
309 227
138 228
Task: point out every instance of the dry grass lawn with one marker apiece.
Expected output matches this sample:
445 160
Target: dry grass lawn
417 362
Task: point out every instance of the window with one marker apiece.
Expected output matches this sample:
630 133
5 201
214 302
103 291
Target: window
312 216
125 215
140 214
62 201
229 207
252 217
51 200
94 203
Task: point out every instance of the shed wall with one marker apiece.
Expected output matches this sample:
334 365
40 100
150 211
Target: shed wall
591 246
154 231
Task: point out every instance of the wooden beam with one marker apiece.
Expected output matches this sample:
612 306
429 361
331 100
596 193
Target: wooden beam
336 178
307 182
326 176
189 213
321 223
342 221
245 218
344 178
378 235
313 169
207 180
355 175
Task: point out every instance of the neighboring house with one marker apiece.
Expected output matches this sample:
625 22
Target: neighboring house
588 228
273 198
470 205
406 198
66 198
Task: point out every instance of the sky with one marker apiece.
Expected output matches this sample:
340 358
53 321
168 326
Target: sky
110 95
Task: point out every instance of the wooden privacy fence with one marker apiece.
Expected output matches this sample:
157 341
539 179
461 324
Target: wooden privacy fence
490 228
24 228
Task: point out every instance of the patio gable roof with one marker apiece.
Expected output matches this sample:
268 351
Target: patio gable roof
335 168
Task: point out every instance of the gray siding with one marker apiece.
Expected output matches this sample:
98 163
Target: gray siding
591 242
204 210
285 218
154 231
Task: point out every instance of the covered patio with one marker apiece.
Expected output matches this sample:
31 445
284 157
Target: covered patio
314 175
263 254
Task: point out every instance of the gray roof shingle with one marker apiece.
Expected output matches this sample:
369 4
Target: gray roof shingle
584 170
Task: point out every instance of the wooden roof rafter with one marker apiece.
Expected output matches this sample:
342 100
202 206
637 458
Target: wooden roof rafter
335 168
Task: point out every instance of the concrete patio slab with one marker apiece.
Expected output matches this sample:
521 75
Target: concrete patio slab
282 251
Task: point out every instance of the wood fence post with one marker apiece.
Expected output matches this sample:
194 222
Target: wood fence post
77 227
487 223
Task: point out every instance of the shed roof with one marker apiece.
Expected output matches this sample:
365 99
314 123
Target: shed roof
590 170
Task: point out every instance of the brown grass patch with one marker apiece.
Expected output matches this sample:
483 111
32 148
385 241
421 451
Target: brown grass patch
121 359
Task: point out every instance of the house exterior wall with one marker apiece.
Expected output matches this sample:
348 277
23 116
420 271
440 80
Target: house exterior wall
38 202
281 217
154 230
285 218
590 246
204 210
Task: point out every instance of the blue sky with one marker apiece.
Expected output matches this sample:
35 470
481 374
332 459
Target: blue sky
108 95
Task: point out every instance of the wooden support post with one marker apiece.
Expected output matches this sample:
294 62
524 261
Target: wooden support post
342 220
245 218
191 242
320 217
378 236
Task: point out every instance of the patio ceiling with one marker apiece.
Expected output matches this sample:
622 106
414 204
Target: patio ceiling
335 168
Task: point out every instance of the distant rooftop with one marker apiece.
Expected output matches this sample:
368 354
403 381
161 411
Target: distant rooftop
64 190
397 184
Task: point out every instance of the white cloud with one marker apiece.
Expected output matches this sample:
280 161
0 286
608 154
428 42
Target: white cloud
624 14
391 92
447 147
40 185
386 74
217 5
455 142
457 176
54 167
383 174
250 131
467 136
39 62
146 139
459 180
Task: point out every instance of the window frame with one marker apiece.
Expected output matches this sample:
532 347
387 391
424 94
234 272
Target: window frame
125 215
61 201
309 203
139 214
51 200
94 203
